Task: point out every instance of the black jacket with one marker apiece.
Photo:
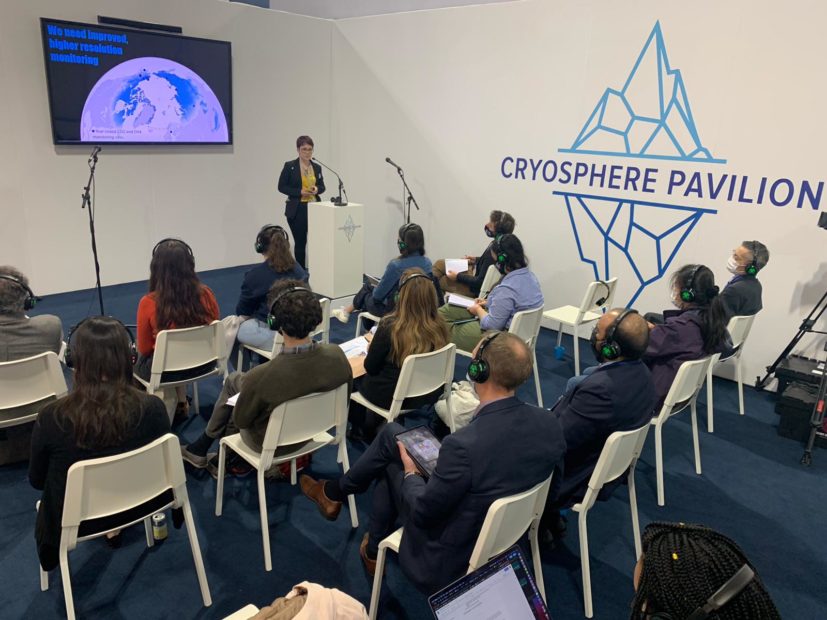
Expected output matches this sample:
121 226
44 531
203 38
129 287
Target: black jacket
742 296
290 184
481 265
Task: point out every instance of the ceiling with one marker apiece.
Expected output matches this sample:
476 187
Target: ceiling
343 9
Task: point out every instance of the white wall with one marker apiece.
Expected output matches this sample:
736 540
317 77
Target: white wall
448 94
213 197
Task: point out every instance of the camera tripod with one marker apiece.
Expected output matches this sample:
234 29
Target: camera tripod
817 419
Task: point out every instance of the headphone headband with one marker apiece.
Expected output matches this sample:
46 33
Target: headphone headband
272 322
263 238
181 241
404 231
723 595
478 370
611 349
31 299
68 357
687 293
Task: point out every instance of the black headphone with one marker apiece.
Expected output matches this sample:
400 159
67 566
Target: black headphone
611 348
602 300
402 232
478 369
408 279
721 597
752 268
688 292
263 237
68 357
31 299
501 255
181 241
272 322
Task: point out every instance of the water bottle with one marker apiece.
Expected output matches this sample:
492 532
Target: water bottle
159 527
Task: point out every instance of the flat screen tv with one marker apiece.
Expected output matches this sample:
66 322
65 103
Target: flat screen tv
121 85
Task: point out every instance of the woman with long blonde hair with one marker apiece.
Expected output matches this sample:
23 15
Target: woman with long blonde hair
413 327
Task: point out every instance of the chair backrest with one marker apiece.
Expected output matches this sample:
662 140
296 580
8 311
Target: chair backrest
112 484
302 419
425 372
526 325
507 520
182 349
597 290
739 328
30 380
621 449
492 277
687 382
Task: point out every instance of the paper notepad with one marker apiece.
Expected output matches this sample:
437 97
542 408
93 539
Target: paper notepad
460 300
457 265
356 347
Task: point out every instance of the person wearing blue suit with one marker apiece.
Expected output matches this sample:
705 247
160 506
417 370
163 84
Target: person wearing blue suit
508 447
617 395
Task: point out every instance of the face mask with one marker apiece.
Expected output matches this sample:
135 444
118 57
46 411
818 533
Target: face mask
488 232
732 265
676 299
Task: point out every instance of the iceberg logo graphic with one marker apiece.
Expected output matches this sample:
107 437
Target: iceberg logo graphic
649 117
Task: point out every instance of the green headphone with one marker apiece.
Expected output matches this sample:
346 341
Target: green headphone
752 268
611 348
688 292
478 370
272 322
402 232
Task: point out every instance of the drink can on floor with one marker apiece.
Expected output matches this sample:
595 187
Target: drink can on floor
159 526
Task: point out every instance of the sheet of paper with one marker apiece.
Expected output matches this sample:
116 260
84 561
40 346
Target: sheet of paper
460 300
457 265
232 400
356 347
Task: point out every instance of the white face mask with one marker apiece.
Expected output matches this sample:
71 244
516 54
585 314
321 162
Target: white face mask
732 265
676 300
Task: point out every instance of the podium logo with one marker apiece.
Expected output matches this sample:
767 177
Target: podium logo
350 228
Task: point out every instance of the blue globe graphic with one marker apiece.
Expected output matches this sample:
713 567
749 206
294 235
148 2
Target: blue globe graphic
152 99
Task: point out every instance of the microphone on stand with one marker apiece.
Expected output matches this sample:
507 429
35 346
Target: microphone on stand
94 156
391 162
336 200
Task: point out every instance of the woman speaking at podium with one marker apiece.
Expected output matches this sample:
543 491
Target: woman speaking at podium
301 181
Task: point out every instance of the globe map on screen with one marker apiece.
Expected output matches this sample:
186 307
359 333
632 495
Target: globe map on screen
152 100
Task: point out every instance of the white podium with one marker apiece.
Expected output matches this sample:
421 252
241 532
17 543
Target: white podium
335 248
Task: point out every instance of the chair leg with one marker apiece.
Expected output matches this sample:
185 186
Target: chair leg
535 554
44 578
195 396
293 472
560 333
694 415
635 519
377 582
67 582
196 555
740 378
575 334
710 409
265 525
537 381
351 499
358 325
659 464
584 565
240 362
150 539
219 492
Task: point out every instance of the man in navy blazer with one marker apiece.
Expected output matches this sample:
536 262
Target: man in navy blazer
617 395
508 447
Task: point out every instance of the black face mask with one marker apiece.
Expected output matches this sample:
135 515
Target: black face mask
597 349
488 232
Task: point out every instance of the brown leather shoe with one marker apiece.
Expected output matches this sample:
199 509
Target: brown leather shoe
370 565
314 491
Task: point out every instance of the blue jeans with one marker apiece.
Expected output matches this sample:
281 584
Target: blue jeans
256 334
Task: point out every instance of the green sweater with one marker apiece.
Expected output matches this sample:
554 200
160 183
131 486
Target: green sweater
286 377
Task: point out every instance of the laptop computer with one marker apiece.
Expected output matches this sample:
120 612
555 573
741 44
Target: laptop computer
503 587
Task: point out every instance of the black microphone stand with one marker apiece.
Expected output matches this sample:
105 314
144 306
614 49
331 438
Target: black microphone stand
406 202
90 202
336 200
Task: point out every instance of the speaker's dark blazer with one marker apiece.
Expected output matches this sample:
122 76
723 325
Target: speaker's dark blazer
507 448
290 184
742 296
618 396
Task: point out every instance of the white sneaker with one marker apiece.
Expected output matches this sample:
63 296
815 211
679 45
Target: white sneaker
341 314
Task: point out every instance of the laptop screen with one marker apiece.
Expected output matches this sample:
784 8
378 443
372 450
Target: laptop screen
503 588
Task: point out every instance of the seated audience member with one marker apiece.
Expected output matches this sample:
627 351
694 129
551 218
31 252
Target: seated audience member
696 329
22 336
176 299
101 416
742 294
378 300
683 566
509 447
413 327
518 290
469 283
303 367
279 264
617 395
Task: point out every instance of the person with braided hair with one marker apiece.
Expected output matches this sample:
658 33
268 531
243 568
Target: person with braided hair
684 565
695 329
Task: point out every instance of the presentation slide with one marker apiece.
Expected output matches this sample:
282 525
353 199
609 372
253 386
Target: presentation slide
130 86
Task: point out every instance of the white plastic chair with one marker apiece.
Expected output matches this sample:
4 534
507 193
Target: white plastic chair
110 485
245 613
183 349
27 381
506 521
738 328
683 393
491 279
526 326
619 455
296 428
599 294
322 329
362 316
420 374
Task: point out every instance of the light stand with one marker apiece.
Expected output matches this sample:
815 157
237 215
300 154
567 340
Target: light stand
88 200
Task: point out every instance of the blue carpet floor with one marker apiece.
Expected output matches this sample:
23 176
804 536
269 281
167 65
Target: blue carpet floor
752 489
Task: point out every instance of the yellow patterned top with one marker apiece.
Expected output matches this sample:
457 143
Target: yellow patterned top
308 181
